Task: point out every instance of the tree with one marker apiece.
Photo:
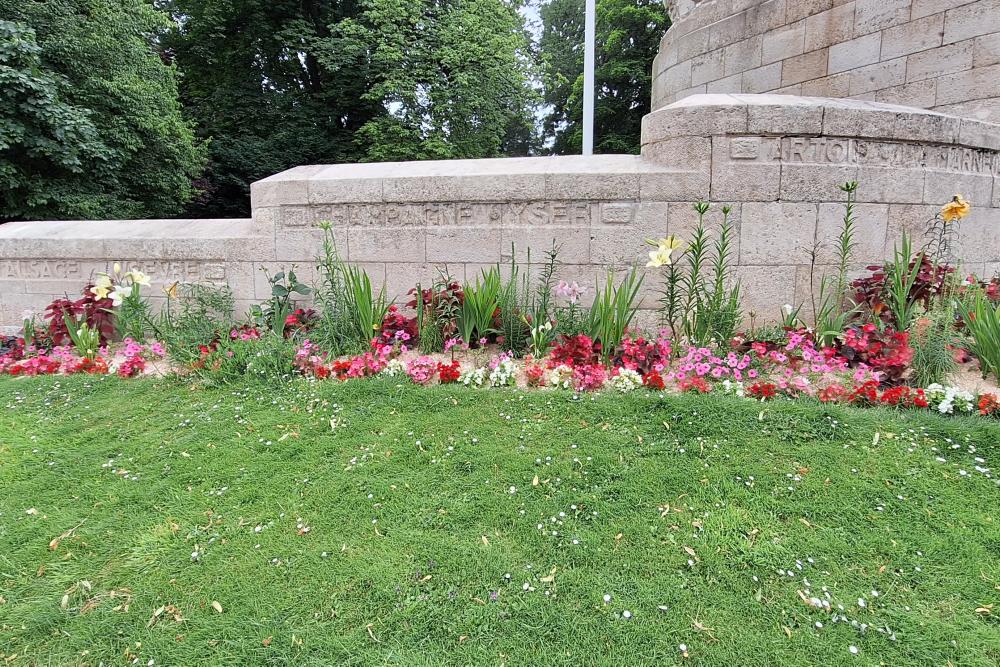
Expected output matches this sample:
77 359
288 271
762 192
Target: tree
255 87
450 78
44 141
87 73
628 37
280 83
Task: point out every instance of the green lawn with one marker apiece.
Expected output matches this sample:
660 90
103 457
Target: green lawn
485 527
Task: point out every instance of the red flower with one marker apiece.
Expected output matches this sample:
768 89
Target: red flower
694 384
448 372
653 380
988 404
832 394
763 390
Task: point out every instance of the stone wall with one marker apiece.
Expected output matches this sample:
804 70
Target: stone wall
776 159
933 54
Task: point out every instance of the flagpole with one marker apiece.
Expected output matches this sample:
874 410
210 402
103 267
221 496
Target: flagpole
588 77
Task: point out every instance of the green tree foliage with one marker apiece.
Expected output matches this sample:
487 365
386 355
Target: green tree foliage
280 83
255 87
90 123
450 77
628 37
44 142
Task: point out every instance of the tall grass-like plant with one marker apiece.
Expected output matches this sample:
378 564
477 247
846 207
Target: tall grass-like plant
932 338
513 302
540 326
613 311
701 298
899 280
829 309
194 314
480 303
719 314
366 309
983 320
336 330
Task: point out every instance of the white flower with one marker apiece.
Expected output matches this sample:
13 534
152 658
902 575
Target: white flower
394 367
139 278
503 374
119 294
626 381
561 377
472 376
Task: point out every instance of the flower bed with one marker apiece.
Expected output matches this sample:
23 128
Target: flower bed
870 341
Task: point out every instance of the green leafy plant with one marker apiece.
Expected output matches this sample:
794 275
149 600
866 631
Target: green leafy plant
703 306
86 340
982 317
194 314
268 359
480 304
272 313
613 311
539 317
932 339
718 314
512 300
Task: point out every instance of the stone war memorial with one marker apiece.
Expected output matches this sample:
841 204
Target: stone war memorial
765 106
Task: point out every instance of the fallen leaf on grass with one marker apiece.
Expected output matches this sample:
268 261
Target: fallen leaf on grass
54 544
266 642
485 541
985 610
216 606
372 634
534 482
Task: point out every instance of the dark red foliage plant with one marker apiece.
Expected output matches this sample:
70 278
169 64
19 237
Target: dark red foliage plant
397 327
869 292
574 351
886 351
98 314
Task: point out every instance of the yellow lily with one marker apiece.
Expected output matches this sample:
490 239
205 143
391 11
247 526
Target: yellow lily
102 286
670 243
956 209
139 278
663 255
660 257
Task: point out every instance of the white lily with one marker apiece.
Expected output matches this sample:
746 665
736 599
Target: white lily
120 293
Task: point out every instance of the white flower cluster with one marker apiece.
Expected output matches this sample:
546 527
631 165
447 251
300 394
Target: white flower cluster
730 387
949 400
504 373
472 376
627 380
561 377
394 367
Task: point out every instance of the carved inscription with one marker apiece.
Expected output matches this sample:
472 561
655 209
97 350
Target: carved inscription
833 150
39 269
159 270
560 213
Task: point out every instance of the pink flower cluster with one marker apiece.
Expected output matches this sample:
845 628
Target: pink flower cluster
136 355
589 377
422 369
701 362
310 360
